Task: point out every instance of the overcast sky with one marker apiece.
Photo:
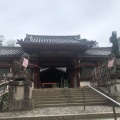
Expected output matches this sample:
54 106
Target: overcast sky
92 19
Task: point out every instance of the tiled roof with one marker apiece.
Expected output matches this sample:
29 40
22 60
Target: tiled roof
45 39
16 51
11 51
98 51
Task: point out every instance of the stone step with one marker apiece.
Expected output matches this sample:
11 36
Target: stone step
66 96
59 91
69 101
63 92
86 93
84 116
80 93
68 104
60 99
63 98
34 95
47 90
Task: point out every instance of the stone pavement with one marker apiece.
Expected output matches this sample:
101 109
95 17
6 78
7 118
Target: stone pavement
59 111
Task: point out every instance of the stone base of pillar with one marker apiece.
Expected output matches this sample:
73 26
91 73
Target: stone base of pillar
20 93
114 88
20 105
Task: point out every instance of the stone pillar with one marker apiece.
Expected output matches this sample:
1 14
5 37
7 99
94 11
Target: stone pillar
114 88
20 94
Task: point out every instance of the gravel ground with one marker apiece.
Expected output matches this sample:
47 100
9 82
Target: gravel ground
59 111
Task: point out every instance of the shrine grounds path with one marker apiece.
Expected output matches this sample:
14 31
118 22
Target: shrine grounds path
58 111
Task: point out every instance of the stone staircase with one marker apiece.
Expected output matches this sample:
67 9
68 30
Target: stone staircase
65 104
66 97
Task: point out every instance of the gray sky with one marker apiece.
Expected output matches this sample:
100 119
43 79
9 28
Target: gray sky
93 19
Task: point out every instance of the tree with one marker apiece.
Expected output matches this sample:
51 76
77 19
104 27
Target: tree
11 43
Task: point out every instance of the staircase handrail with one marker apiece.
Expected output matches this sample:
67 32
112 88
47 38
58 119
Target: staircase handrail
3 91
4 84
112 100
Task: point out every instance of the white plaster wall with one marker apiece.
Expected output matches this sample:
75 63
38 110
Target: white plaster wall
84 83
32 85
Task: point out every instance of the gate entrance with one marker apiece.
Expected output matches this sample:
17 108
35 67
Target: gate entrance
53 77
58 51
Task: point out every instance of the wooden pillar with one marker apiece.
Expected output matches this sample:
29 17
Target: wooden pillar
69 70
36 77
71 81
75 78
74 74
78 77
77 72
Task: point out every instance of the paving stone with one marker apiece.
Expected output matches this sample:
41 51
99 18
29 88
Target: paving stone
60 111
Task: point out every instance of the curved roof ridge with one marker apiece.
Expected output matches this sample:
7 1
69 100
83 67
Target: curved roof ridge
53 35
55 39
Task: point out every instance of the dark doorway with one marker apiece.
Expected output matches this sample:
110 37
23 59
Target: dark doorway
53 77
